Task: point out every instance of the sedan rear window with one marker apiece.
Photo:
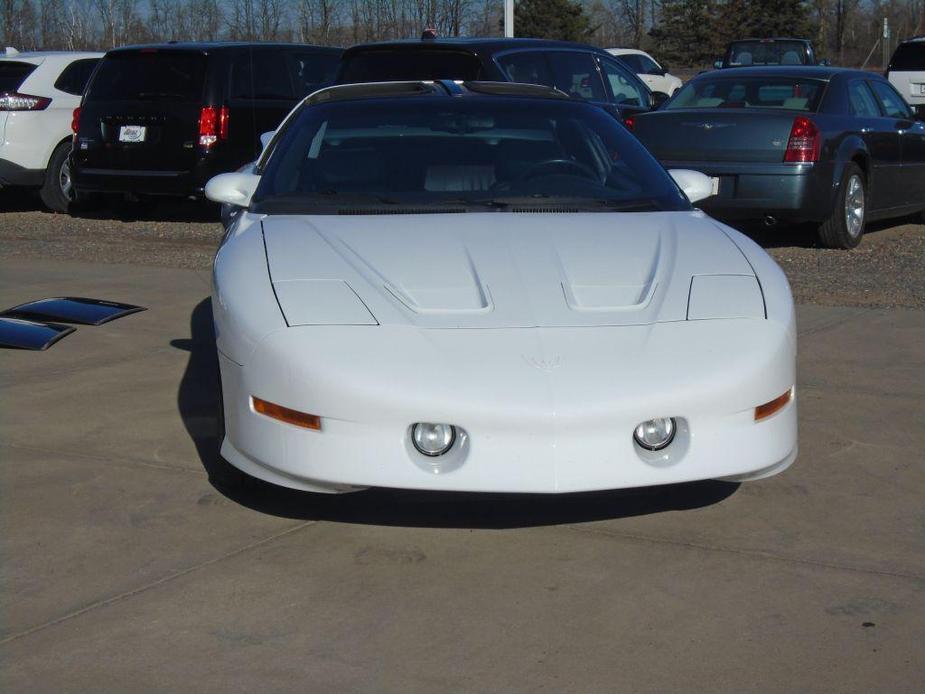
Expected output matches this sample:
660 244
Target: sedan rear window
767 53
150 75
13 74
908 57
389 65
788 93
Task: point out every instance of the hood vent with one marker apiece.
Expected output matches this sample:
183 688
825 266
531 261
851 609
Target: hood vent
544 210
399 210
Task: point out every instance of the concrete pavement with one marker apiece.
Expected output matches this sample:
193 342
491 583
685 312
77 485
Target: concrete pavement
124 569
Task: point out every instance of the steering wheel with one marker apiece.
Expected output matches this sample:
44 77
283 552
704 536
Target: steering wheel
537 169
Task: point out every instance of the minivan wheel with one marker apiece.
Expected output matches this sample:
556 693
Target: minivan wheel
58 191
845 226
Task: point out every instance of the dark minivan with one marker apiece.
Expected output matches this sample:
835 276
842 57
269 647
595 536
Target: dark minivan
163 119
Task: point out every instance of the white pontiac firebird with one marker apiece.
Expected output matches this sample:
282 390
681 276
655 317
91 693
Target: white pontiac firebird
494 288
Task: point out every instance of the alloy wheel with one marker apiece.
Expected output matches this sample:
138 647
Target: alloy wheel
854 205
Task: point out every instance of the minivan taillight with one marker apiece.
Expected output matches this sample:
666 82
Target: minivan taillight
14 101
213 125
75 120
803 145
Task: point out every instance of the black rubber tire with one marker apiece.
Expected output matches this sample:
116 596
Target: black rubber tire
834 232
52 193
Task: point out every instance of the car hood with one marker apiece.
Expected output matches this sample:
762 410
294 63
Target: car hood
495 269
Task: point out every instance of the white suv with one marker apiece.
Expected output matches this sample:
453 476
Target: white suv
906 71
654 75
38 95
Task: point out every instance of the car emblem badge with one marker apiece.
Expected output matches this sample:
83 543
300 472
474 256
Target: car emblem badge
544 365
710 126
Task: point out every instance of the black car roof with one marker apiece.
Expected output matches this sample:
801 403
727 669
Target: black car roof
819 72
476 45
209 46
437 88
770 39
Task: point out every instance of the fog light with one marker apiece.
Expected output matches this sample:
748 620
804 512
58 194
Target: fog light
433 439
655 434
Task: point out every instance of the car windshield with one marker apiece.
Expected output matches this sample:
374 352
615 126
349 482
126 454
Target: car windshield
790 93
461 154
767 53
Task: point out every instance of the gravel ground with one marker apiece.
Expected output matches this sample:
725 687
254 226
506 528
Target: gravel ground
887 270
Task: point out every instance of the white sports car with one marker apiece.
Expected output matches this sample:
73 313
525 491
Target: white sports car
490 287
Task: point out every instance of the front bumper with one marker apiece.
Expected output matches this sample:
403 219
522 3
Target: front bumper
562 428
794 192
12 174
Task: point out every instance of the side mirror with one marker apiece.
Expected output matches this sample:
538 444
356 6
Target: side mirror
659 98
718 64
232 188
696 185
265 139
824 62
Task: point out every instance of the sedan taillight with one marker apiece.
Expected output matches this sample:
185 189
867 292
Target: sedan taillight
14 101
804 142
75 120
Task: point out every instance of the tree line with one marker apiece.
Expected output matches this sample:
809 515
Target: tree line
684 33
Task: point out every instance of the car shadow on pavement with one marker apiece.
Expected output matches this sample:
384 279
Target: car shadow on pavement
145 210
197 400
804 235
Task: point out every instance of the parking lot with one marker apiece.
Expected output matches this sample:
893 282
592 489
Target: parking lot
125 569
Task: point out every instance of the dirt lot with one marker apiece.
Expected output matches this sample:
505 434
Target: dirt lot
885 271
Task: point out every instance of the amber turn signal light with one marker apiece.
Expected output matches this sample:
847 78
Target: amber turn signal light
284 414
776 405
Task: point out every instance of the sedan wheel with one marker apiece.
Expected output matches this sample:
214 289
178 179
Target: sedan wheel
845 226
854 206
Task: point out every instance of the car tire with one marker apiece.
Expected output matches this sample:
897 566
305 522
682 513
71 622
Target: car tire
845 226
57 191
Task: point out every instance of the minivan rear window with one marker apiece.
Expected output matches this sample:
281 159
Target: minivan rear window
908 57
13 74
149 75
388 65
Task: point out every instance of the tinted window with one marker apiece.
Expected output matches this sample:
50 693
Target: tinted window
909 56
770 53
576 74
640 64
624 90
862 101
73 79
13 74
149 76
453 152
284 75
527 68
388 65
892 103
749 92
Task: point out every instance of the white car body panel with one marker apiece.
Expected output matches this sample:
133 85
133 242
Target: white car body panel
666 83
28 138
911 83
545 338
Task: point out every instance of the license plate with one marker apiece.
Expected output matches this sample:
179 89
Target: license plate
132 133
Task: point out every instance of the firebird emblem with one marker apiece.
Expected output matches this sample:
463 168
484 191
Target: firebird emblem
544 365
709 126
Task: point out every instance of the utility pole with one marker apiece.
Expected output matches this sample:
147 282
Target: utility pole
886 42
509 18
